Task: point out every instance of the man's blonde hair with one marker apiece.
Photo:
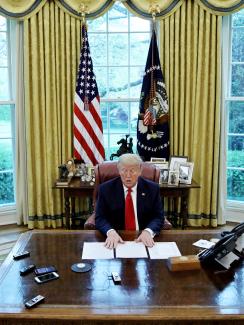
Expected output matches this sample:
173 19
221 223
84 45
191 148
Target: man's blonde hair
129 159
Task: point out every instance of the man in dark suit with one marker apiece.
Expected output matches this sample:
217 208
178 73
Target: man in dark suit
129 202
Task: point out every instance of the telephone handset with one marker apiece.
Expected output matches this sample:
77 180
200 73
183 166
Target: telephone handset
223 247
231 241
237 230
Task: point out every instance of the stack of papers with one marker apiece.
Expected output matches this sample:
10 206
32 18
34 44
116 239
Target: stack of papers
130 249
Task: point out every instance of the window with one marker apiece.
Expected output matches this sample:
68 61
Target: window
119 43
7 116
233 58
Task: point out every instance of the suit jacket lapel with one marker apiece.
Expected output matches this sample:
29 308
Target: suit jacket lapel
120 197
141 195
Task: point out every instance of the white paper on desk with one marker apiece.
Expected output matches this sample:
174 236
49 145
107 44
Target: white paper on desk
163 250
131 249
96 251
203 243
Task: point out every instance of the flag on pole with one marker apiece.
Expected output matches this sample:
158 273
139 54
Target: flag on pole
88 130
153 125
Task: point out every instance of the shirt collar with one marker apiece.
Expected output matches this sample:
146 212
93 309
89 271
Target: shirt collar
134 188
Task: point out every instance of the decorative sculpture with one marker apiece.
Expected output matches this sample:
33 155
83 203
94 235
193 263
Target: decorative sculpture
125 147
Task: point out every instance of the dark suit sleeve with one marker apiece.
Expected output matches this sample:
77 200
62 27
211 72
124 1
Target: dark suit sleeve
157 215
102 205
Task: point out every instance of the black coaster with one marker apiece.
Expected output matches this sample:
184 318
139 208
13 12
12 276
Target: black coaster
81 267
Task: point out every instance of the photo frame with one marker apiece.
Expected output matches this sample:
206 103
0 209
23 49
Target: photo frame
164 175
161 165
157 160
185 172
174 160
173 178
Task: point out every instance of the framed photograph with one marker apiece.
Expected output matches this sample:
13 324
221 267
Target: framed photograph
157 160
161 165
173 178
91 170
174 160
185 172
164 175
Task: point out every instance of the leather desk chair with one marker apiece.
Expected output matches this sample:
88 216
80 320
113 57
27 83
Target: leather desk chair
108 170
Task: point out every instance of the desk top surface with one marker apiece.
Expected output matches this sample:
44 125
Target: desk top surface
148 288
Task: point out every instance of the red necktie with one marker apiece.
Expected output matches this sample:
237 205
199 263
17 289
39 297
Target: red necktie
130 223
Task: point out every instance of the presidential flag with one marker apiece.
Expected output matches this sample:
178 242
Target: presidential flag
88 130
153 119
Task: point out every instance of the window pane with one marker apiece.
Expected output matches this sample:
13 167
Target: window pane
118 82
118 19
139 44
236 117
101 78
139 25
118 49
4 91
134 110
3 24
5 121
237 88
118 113
6 154
235 188
3 49
238 45
238 18
235 151
136 76
97 25
98 49
6 188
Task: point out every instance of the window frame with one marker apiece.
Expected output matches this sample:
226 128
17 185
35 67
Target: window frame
8 210
108 133
232 210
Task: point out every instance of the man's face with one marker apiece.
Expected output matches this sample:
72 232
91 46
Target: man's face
129 174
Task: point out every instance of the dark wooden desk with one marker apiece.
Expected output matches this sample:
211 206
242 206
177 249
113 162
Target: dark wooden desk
77 189
149 293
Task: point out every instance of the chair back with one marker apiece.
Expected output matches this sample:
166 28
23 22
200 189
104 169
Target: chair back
109 170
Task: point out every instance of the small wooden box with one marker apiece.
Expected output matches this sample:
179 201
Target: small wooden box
182 263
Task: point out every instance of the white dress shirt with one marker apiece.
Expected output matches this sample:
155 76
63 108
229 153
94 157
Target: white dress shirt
134 200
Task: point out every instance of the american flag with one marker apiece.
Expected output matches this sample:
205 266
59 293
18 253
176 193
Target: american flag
88 130
153 120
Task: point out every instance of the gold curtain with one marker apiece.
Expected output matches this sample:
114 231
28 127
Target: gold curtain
220 7
190 58
52 49
20 9
190 52
23 9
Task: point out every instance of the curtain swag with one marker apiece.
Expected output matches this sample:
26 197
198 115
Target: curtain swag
23 9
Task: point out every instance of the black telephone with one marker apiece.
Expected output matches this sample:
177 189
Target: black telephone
237 230
223 247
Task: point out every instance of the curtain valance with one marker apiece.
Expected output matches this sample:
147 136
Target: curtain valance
25 8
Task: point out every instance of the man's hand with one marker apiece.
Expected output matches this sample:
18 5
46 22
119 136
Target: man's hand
113 239
146 238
